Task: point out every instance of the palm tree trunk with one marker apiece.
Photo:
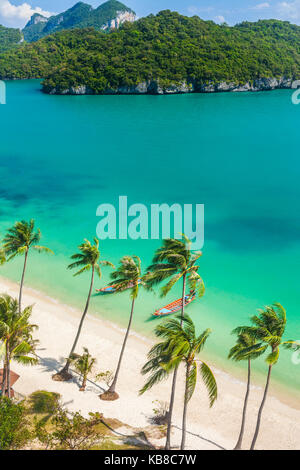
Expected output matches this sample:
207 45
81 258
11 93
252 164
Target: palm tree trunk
183 298
172 399
182 447
238 445
83 385
66 368
112 388
3 385
8 376
22 281
261 409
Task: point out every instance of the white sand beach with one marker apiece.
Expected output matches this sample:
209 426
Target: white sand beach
207 428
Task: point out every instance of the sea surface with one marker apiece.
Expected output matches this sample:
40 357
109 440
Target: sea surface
238 154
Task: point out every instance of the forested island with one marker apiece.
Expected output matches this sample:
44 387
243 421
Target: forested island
9 37
166 53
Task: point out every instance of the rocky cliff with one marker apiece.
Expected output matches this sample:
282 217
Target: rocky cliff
153 88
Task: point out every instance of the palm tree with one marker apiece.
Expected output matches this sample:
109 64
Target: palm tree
84 365
86 260
175 260
268 327
128 275
180 345
246 348
16 337
18 241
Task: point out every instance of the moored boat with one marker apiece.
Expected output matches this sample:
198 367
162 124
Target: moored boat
175 306
112 288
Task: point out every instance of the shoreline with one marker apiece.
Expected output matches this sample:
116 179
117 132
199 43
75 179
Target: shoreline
232 371
153 88
57 325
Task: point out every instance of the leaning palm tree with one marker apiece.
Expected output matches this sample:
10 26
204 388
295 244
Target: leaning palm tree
18 241
175 261
245 349
180 345
84 365
86 260
17 343
268 327
127 276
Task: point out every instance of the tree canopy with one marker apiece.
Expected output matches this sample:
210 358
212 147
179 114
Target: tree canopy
168 47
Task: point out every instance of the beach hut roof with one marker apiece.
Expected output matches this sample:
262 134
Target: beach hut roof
13 377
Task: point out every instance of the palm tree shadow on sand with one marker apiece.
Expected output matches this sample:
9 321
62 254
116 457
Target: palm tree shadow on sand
50 364
139 439
201 437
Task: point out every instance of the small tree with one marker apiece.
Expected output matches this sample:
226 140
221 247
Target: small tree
14 432
107 377
84 365
71 431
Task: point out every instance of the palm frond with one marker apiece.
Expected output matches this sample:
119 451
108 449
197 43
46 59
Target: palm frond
210 382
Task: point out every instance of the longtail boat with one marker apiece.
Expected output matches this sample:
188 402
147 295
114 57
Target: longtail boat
111 289
175 306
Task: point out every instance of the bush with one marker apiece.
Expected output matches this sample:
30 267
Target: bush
14 433
43 402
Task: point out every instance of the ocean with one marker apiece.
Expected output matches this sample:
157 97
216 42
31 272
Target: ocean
238 154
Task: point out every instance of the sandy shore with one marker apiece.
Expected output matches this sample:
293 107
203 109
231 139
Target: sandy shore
207 428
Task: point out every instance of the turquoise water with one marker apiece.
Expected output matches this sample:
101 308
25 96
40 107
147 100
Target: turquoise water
236 153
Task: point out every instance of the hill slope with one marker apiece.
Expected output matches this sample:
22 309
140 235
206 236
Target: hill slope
163 53
9 37
107 16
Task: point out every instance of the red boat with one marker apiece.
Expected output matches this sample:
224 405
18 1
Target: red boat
175 306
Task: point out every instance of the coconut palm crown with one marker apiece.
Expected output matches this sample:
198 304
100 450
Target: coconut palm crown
19 240
175 260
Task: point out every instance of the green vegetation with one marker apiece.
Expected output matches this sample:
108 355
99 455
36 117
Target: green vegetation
40 422
68 431
16 341
14 433
168 48
80 15
9 37
84 365
43 402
